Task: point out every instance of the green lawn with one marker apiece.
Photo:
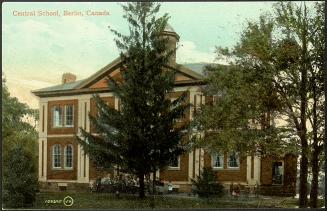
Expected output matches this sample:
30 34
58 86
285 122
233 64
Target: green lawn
106 200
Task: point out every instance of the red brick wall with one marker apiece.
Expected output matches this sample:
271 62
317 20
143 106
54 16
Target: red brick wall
290 162
266 170
62 130
182 173
93 108
61 173
177 175
228 174
96 172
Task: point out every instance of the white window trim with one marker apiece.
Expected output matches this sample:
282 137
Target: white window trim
65 157
176 167
213 161
54 119
239 162
65 116
53 156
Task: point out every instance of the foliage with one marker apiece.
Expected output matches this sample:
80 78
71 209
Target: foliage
233 120
141 137
21 184
206 184
19 139
270 98
14 128
118 183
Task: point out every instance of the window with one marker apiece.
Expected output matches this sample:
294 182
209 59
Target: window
57 116
217 160
69 156
56 156
233 160
174 162
63 116
69 116
277 171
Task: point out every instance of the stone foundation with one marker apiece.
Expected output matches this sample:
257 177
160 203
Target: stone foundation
64 186
271 190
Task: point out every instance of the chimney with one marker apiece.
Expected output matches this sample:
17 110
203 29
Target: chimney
68 78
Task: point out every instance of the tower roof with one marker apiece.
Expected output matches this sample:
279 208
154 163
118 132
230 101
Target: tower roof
169 30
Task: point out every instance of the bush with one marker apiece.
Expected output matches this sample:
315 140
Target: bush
206 184
20 179
118 183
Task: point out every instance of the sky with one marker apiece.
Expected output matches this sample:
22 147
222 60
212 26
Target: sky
37 50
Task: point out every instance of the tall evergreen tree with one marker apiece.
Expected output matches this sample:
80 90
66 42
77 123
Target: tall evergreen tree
142 136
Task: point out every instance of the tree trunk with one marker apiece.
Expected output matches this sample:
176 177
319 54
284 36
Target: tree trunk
303 200
154 183
315 154
141 189
303 178
314 181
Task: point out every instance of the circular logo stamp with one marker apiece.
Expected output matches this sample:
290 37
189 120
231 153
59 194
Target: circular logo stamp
68 201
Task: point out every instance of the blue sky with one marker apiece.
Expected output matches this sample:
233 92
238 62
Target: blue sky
38 50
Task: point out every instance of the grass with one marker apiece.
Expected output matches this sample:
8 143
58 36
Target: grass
106 200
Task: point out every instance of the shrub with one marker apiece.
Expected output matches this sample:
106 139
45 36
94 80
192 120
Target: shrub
206 184
19 180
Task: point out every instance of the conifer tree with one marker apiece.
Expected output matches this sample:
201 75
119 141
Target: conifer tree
142 136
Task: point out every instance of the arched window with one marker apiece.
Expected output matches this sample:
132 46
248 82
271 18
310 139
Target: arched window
69 156
56 155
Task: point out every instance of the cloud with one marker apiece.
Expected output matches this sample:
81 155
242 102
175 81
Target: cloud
188 53
34 84
21 88
75 43
37 52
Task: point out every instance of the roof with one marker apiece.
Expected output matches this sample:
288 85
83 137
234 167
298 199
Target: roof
169 28
62 87
82 86
169 31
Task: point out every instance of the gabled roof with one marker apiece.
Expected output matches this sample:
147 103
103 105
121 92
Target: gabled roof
84 86
62 87
100 73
